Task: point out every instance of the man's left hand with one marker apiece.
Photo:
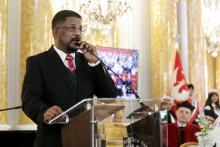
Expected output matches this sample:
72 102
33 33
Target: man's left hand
89 57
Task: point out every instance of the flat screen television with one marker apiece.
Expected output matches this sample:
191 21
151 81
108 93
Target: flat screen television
124 62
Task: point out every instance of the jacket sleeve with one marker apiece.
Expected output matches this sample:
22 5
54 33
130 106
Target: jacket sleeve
32 96
104 84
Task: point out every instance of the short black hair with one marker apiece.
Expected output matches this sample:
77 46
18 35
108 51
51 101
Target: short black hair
61 16
190 86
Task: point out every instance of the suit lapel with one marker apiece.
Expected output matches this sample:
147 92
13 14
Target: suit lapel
54 57
80 69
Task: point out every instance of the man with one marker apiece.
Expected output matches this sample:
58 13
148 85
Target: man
209 114
181 131
58 78
194 103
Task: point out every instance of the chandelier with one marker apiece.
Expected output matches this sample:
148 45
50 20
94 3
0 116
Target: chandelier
211 26
101 14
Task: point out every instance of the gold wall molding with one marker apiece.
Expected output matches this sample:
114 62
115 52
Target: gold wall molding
36 34
196 51
4 59
163 28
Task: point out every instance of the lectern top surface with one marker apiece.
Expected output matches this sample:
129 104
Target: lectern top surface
118 110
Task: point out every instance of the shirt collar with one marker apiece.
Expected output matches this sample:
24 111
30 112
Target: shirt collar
179 125
62 54
213 105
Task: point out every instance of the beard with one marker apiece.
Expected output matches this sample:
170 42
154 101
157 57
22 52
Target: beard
68 47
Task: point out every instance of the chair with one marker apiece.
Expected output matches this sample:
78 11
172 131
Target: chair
190 144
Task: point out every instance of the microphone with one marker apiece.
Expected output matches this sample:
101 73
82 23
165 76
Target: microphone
77 44
143 106
17 107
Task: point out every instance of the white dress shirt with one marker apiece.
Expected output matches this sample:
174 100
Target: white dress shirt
179 125
65 62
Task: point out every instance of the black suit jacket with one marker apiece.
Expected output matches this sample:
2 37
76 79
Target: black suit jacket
48 83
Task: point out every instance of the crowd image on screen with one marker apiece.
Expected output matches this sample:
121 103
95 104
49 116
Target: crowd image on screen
124 62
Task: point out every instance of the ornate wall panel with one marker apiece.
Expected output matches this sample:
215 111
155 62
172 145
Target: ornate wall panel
4 59
36 34
217 66
163 28
196 49
98 39
211 71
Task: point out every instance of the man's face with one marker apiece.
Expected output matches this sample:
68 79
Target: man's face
65 35
191 92
183 114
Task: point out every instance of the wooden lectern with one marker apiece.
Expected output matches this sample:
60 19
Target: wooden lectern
145 125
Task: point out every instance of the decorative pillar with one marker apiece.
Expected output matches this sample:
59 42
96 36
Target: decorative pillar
4 59
196 50
36 34
182 31
163 28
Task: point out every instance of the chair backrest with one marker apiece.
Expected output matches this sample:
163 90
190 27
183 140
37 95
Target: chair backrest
190 144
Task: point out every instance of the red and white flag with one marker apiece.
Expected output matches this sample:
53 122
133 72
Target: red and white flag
180 92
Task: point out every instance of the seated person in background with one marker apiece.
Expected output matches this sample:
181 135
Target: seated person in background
211 116
171 116
181 131
212 106
194 103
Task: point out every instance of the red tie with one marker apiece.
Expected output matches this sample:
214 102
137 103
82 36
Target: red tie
69 58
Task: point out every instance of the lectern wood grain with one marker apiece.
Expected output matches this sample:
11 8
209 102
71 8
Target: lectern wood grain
77 133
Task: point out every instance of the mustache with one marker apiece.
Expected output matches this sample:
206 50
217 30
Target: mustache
75 39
